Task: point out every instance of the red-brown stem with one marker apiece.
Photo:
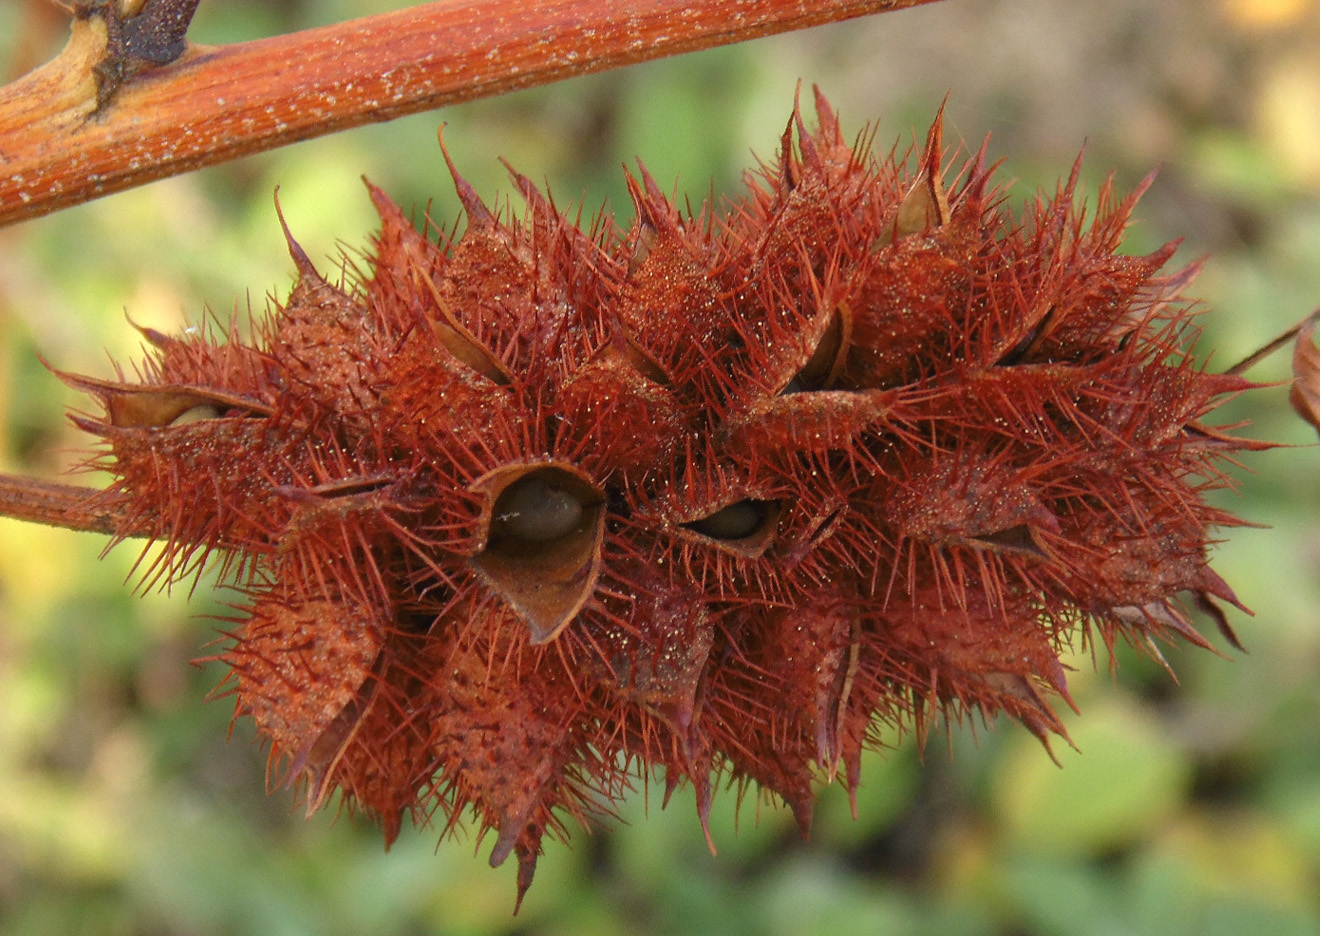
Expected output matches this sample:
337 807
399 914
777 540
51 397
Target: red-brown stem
61 505
217 103
1255 357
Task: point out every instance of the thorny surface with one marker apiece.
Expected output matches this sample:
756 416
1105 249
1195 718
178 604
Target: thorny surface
531 511
1196 88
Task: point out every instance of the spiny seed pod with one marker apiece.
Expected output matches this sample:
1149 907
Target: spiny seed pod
525 514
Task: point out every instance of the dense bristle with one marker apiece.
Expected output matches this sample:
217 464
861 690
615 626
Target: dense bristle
527 513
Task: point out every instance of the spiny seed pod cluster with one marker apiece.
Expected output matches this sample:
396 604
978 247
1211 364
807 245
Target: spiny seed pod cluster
524 515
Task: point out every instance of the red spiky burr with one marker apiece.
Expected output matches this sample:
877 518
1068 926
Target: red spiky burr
524 514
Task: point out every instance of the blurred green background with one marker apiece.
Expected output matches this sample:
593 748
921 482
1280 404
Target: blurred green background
1193 808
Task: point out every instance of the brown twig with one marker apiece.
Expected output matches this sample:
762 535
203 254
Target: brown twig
1255 357
218 103
63 505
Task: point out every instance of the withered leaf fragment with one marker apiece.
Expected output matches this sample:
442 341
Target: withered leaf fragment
524 513
1305 393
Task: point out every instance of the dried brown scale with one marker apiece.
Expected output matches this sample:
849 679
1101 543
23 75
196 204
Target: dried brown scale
527 513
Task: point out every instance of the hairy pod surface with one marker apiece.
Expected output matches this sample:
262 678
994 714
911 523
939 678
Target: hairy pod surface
525 514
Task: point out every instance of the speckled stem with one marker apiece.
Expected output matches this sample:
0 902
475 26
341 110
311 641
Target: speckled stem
218 103
63 505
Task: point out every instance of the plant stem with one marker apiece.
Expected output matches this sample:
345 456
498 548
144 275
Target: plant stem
1260 354
217 103
61 505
